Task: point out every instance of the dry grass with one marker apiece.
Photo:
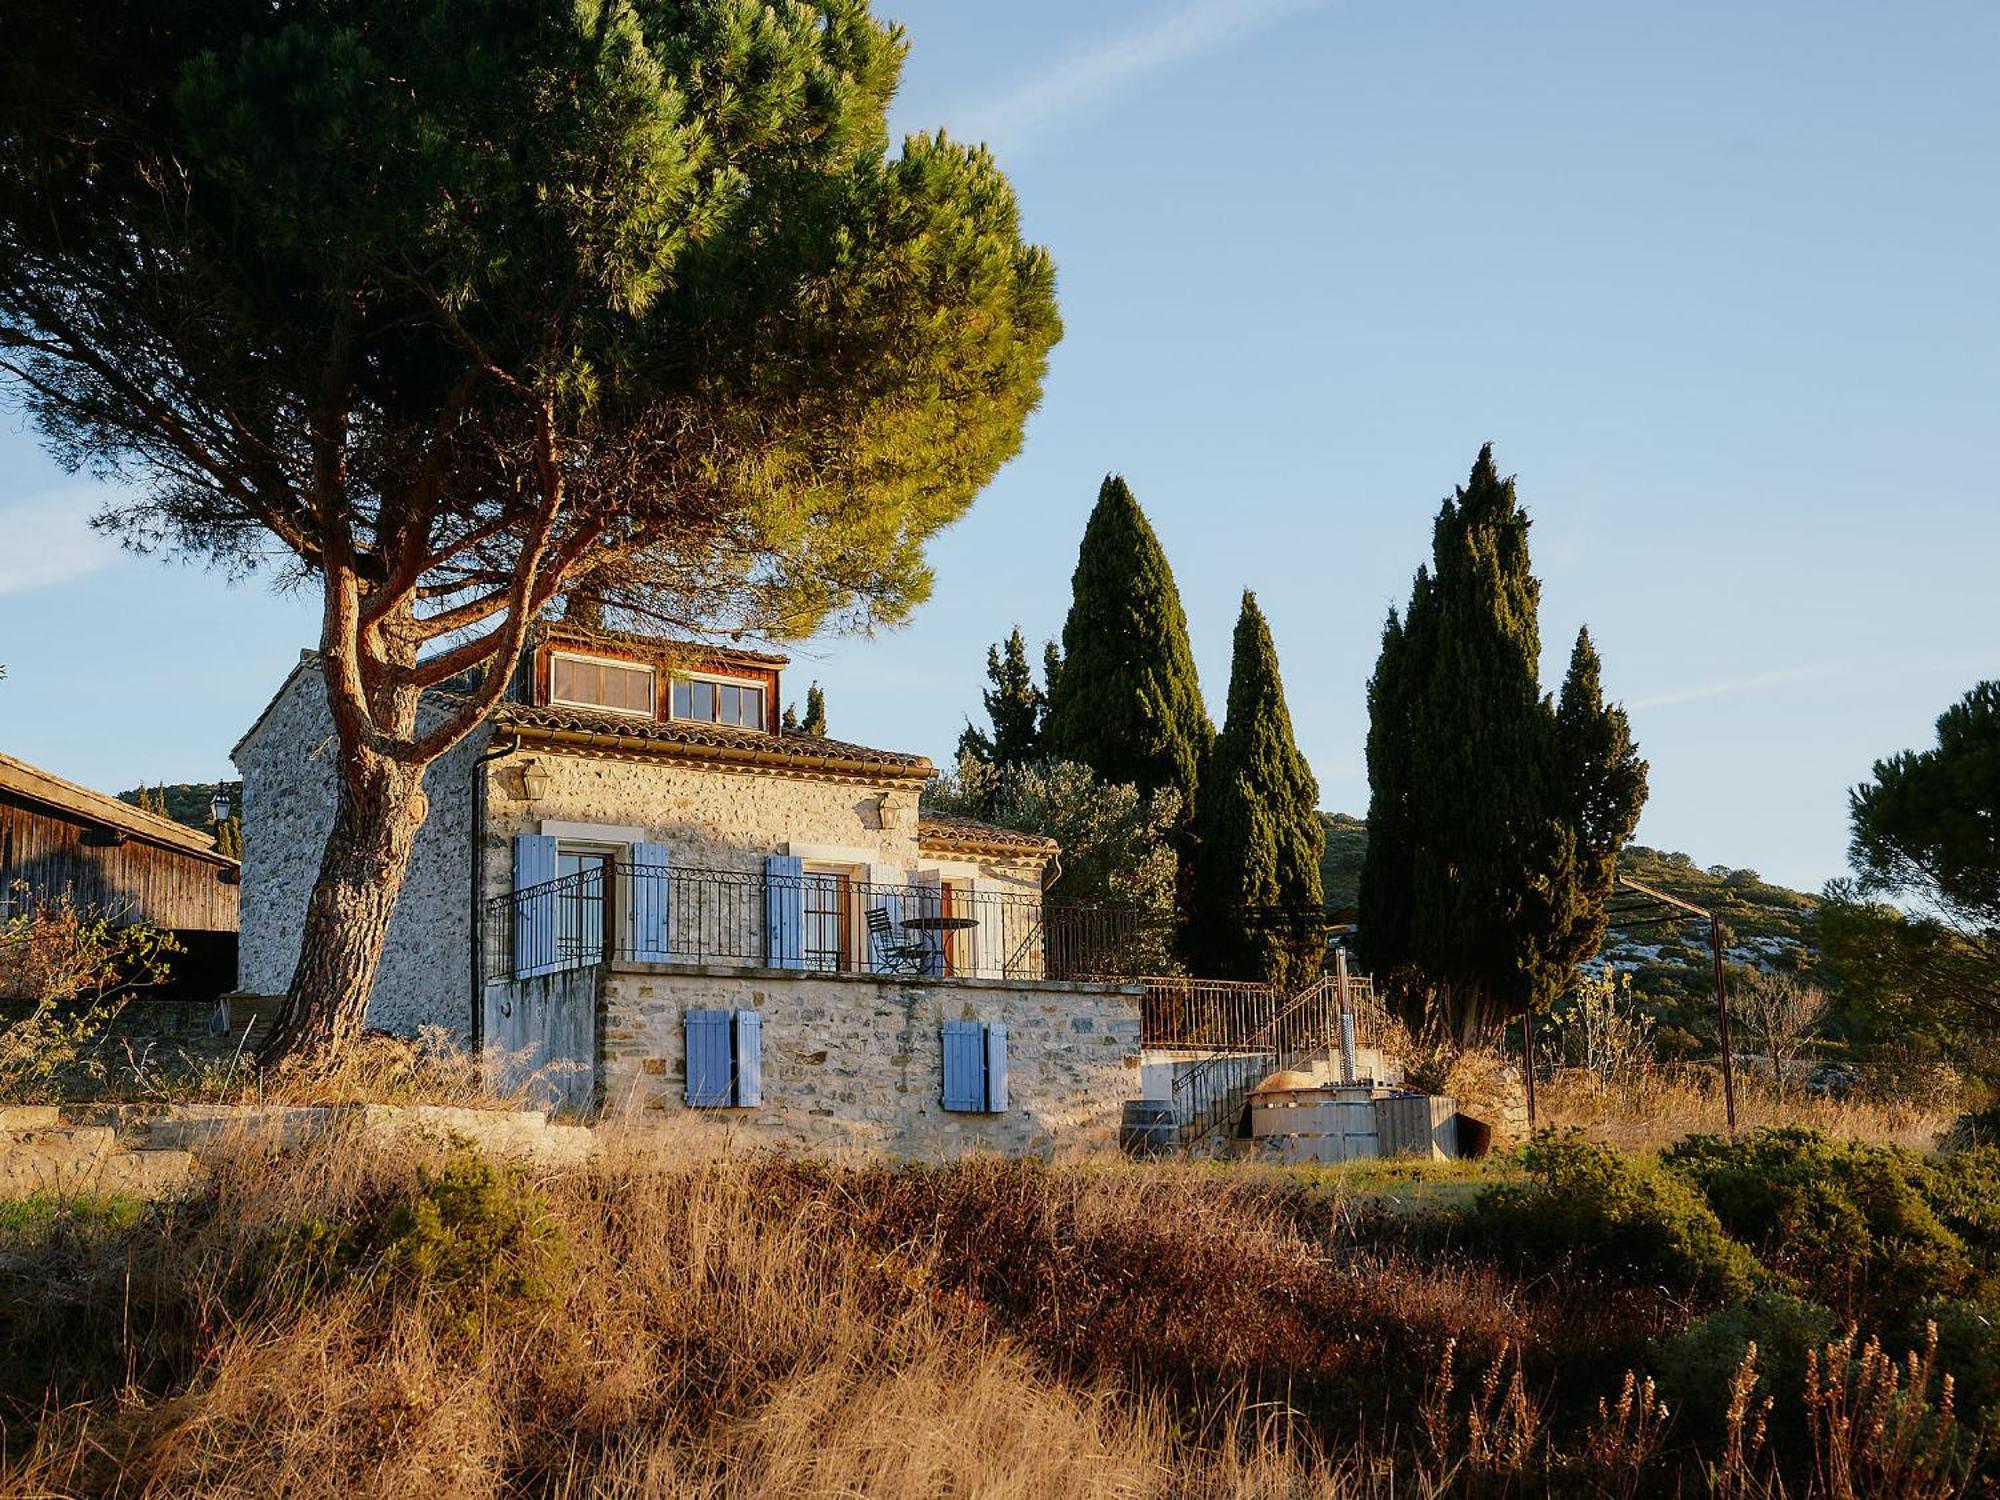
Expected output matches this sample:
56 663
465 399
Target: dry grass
1653 1107
678 1324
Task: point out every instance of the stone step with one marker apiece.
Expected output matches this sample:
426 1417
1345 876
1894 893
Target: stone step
29 1116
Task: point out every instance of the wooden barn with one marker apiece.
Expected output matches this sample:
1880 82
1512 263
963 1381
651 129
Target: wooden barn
57 837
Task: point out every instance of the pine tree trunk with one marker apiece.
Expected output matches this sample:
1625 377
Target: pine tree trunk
367 855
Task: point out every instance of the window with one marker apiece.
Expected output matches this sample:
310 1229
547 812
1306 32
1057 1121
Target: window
828 896
579 906
975 1067
596 683
725 1059
714 700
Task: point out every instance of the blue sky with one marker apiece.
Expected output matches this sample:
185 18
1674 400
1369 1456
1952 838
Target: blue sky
1716 280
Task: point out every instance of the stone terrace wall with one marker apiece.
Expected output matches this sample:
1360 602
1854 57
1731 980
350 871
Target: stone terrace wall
857 1060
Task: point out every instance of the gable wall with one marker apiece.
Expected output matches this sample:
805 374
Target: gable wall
287 764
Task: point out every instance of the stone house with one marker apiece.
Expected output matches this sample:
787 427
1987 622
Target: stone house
636 886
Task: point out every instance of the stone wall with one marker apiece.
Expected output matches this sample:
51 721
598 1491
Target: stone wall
287 762
856 1060
725 817
149 1151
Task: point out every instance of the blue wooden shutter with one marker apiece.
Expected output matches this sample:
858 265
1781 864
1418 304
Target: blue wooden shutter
535 909
964 1066
784 911
647 893
708 1070
749 1058
996 1066
885 891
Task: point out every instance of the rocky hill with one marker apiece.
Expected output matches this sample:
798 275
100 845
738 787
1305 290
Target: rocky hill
1766 926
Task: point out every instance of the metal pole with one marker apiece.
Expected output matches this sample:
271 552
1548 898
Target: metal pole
1722 1025
1528 1063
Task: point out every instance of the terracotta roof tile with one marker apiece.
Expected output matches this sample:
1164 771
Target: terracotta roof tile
944 831
805 750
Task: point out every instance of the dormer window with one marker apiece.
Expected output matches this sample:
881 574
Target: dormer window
593 682
720 700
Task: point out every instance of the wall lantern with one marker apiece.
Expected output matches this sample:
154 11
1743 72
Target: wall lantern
534 781
218 805
888 814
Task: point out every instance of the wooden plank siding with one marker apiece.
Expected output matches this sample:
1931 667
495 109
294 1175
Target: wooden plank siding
45 852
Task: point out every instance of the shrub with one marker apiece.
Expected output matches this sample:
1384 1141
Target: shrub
1976 1127
1695 1365
1624 1215
1849 1222
1964 1188
75 966
1968 1346
467 1226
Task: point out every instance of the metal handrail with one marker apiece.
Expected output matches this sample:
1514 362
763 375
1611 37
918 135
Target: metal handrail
1307 1025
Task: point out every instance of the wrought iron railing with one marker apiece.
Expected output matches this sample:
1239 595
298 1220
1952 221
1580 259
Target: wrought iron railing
811 922
1211 1094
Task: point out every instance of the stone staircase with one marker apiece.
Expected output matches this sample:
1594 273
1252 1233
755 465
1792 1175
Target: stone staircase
43 1154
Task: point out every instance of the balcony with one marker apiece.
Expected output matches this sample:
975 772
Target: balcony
811 923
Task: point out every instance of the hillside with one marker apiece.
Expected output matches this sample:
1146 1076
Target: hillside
187 801
1767 926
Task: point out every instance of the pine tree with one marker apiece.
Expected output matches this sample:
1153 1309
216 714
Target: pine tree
789 721
814 722
1014 708
1257 908
1126 701
1494 815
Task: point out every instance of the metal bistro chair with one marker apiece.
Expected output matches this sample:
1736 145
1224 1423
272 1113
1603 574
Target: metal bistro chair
896 952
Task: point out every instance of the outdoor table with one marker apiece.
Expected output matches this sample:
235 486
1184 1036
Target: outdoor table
939 924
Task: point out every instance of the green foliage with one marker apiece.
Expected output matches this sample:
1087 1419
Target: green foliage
1126 701
76 966
814 722
1495 815
468 1226
1849 1223
44 1216
1696 1365
1924 842
186 802
1618 1213
1345 848
1257 911
1968 1341
1014 710
1117 846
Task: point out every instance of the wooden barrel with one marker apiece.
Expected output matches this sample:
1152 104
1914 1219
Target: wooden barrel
1148 1127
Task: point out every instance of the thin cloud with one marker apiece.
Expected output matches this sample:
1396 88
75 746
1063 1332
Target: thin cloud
1090 78
46 540
1730 685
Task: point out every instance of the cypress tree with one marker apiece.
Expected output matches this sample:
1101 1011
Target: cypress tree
1495 816
1014 707
814 722
1126 701
1257 908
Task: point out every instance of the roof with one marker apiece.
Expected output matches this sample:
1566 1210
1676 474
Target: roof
32 784
711 742
308 662
943 831
560 632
